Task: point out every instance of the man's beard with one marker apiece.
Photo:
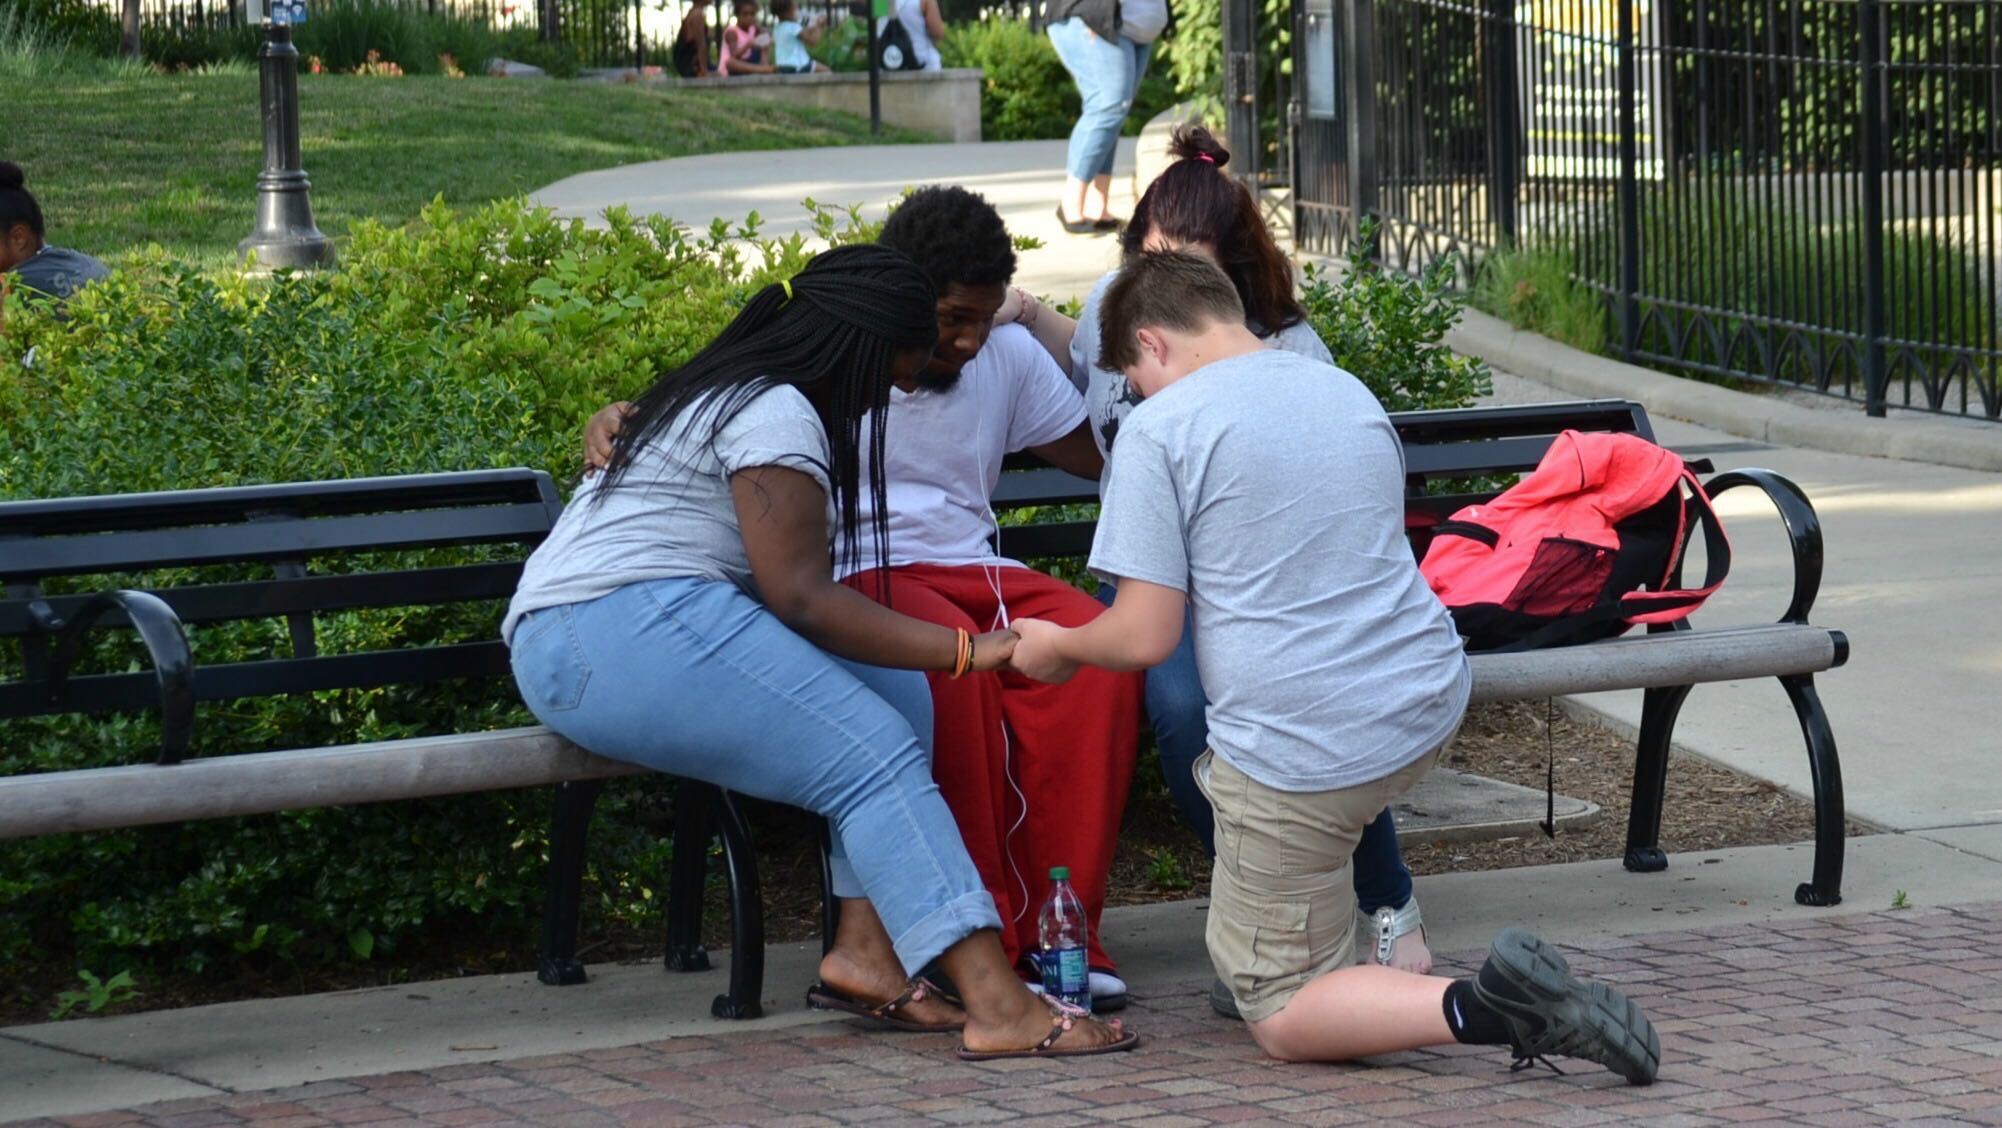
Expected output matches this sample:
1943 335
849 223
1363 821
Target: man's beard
938 381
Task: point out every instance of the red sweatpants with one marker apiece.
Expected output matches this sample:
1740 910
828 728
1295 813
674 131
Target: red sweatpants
1070 747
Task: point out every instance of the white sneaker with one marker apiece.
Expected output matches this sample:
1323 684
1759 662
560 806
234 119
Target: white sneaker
1108 992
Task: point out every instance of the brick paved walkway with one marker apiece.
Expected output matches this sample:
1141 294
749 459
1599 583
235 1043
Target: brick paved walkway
1821 1020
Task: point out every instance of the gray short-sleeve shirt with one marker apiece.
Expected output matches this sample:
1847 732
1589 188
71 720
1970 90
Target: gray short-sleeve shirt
672 513
1270 488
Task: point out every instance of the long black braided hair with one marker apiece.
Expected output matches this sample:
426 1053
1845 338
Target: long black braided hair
834 338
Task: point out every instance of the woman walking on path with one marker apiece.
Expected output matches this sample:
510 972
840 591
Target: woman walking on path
1104 44
683 616
1195 207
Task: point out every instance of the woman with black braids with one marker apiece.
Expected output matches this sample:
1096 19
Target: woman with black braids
683 615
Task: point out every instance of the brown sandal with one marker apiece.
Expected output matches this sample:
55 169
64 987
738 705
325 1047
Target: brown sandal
1063 1017
822 997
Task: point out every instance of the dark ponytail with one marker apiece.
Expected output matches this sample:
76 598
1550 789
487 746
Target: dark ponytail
834 337
16 204
1195 201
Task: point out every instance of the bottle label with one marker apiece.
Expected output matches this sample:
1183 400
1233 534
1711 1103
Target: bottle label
1066 976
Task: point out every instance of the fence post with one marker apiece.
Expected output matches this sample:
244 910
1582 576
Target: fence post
875 76
1504 120
1876 370
1240 88
1629 187
1359 91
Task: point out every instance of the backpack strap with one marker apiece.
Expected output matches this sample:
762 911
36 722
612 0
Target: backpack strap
1674 603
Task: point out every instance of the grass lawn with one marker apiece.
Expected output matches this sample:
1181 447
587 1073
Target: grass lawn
122 160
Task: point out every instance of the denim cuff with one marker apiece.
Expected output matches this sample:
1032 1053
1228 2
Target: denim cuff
943 927
841 875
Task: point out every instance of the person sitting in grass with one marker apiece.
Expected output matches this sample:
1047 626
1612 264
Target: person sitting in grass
745 43
50 271
790 39
1267 489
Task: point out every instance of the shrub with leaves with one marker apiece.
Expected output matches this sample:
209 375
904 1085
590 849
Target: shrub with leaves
1386 328
466 340
1025 92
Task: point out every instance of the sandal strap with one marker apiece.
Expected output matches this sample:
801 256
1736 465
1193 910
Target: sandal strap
1060 1025
915 991
1389 924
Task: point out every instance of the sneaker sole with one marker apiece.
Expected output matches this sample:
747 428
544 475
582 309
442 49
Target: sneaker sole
1539 970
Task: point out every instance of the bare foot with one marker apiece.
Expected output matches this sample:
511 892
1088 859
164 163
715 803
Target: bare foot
1028 1022
875 981
1409 953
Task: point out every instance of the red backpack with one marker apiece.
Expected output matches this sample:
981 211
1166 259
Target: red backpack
1583 548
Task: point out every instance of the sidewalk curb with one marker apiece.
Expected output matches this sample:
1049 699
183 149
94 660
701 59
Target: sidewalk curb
1754 417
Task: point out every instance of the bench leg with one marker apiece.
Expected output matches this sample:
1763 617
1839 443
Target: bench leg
1659 708
569 824
830 905
1826 770
747 916
694 825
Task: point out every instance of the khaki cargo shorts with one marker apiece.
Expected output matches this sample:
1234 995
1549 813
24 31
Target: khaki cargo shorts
1282 894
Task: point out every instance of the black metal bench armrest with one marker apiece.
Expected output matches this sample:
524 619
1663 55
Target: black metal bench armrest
1803 527
166 644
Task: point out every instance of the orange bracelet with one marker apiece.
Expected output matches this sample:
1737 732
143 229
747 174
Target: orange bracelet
963 660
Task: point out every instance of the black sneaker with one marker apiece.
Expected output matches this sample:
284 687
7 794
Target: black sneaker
1550 1012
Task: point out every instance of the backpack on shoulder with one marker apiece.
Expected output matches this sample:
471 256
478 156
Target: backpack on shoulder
894 49
1583 548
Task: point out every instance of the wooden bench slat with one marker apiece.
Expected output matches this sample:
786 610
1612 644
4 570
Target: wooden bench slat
1650 661
260 783
284 539
257 599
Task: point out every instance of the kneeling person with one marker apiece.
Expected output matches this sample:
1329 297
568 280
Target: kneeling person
1267 490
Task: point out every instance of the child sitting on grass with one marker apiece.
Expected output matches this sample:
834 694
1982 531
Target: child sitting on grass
1268 490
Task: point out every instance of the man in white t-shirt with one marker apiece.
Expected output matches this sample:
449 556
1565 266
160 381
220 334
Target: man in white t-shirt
1035 774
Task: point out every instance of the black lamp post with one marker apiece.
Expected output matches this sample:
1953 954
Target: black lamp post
285 236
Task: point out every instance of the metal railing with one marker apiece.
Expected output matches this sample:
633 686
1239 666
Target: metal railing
1798 192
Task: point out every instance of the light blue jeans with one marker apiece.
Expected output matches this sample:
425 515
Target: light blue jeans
1177 708
1107 73
694 678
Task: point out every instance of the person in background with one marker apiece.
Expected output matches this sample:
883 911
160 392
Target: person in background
925 24
691 47
790 39
745 43
1105 45
1196 207
55 272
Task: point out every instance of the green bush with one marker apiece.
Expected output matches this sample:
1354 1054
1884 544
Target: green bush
1386 327
467 340
341 35
72 24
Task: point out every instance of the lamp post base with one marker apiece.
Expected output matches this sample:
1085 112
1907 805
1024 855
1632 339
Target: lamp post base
285 237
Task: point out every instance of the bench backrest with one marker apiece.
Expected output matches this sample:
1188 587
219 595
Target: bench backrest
285 529
1439 447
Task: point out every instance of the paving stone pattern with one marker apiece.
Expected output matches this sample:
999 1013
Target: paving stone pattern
1847 1020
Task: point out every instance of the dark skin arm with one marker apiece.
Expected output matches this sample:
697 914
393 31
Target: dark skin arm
1075 453
783 515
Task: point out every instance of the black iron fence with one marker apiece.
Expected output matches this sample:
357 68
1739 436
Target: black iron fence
1799 192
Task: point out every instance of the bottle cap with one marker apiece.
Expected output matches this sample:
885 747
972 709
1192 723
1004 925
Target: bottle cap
1060 873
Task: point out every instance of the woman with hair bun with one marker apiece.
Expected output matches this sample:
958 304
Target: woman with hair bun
683 615
1195 207
55 272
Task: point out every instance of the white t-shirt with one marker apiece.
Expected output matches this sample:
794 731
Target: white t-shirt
942 453
911 13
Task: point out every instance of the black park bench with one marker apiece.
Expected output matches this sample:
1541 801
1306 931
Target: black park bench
284 529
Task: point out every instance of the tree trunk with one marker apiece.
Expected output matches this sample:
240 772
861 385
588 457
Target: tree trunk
129 40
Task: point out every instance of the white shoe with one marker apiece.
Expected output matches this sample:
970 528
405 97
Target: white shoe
1108 992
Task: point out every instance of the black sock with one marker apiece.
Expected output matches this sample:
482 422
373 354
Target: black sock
1472 1021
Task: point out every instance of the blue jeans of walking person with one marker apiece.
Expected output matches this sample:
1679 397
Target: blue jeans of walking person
1107 74
1175 707
695 678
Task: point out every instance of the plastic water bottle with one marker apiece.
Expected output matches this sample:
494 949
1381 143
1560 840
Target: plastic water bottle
1065 939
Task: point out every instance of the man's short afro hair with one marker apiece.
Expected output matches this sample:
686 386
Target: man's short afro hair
955 236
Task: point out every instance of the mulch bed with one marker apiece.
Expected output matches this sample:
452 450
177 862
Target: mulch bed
1708 807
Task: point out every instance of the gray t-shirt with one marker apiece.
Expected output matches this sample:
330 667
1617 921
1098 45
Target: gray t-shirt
1108 397
59 271
1271 490
672 514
